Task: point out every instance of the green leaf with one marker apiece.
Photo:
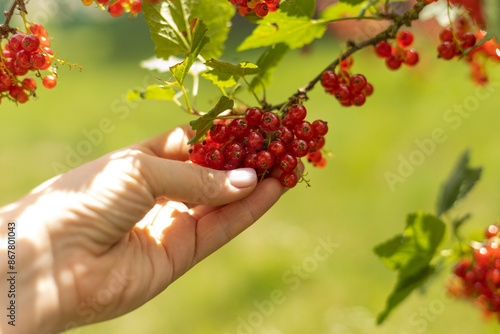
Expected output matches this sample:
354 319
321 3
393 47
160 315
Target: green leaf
341 9
492 8
205 122
199 40
267 63
154 92
292 25
217 15
410 253
170 28
461 181
404 286
225 74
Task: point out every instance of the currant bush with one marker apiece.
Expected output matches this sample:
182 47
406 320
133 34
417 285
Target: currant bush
476 276
261 140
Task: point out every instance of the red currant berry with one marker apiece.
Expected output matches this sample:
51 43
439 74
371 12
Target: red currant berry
298 147
234 151
265 159
239 127
346 64
329 79
116 9
491 231
304 130
342 92
284 135
314 157
446 35
368 90
24 58
38 60
383 49
49 82
270 122
404 38
468 40
446 50
250 159
135 6
297 113
261 9
220 133
358 82
288 179
31 43
411 57
287 162
16 41
38 30
197 153
254 116
22 97
255 140
29 83
482 256
277 148
358 100
320 127
214 158
394 61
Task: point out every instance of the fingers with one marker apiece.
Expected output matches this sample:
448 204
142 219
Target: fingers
220 226
184 182
170 145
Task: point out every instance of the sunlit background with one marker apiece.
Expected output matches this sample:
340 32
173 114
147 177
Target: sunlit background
268 280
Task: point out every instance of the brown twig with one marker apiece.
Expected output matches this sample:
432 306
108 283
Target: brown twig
389 33
5 28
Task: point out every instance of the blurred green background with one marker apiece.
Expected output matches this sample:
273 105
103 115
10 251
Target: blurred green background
350 203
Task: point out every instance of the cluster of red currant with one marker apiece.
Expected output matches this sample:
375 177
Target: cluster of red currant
25 52
453 43
477 277
119 7
398 54
260 7
261 140
349 90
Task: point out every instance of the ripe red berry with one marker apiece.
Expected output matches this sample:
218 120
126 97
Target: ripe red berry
468 40
38 60
491 231
411 57
284 135
254 116
383 49
116 9
297 113
404 38
394 61
329 79
234 151
298 147
304 130
287 162
270 122
239 127
31 43
277 148
214 158
265 159
288 179
446 50
446 35
254 140
261 9
368 90
220 133
358 100
342 92
358 82
49 81
320 127
197 153
15 42
29 83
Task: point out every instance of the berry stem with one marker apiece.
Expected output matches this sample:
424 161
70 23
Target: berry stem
5 29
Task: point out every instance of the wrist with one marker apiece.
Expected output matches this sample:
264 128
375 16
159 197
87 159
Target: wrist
28 293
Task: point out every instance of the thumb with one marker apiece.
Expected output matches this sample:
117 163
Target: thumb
180 181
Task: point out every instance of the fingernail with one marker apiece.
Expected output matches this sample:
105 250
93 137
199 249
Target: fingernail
242 177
